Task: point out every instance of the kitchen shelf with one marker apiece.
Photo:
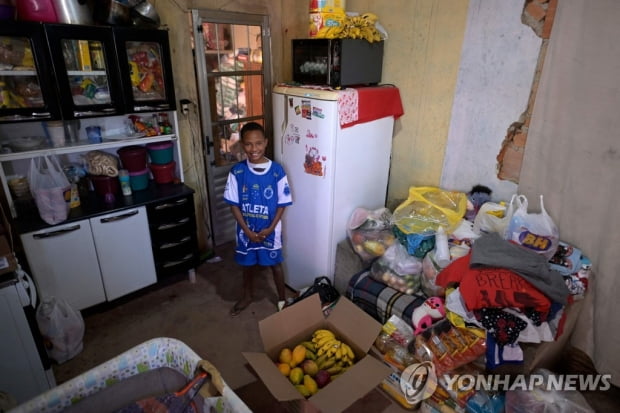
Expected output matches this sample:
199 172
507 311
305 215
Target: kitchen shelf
18 72
84 146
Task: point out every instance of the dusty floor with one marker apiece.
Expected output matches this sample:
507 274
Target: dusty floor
198 314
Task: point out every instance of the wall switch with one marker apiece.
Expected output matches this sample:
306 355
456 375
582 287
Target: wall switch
185 106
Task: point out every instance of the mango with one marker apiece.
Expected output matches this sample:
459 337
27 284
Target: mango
284 368
310 367
303 390
285 355
299 355
296 375
310 384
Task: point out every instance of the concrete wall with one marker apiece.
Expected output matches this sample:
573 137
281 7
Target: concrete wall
497 66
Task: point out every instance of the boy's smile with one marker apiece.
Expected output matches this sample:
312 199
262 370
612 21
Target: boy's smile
254 145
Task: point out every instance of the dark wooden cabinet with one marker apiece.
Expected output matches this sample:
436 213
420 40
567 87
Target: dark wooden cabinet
173 235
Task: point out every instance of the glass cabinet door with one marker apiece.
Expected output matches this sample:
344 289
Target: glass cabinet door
86 70
26 89
146 72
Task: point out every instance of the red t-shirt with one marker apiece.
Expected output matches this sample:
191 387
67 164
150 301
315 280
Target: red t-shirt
492 287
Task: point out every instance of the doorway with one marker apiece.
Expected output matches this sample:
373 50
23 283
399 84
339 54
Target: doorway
233 74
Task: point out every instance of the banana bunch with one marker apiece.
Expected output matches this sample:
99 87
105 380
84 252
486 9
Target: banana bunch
353 27
328 345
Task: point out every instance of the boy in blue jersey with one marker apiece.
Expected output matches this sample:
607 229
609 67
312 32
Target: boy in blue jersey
257 191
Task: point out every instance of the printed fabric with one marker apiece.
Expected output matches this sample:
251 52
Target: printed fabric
258 195
492 287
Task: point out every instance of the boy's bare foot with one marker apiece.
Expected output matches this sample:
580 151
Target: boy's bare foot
239 307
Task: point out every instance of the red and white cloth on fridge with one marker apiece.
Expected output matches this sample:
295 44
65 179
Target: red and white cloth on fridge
365 104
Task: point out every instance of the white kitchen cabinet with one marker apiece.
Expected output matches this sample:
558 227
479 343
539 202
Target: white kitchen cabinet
90 261
64 263
123 245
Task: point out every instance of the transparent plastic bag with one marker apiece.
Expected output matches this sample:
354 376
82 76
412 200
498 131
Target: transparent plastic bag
427 208
397 269
370 232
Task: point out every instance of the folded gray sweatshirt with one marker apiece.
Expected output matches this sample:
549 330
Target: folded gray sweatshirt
491 250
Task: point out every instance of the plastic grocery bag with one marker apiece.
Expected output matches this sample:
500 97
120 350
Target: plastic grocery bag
494 217
370 232
62 328
417 219
535 231
397 269
427 208
50 188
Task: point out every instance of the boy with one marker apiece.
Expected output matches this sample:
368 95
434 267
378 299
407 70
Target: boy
257 191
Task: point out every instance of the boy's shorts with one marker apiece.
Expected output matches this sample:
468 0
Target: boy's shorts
266 258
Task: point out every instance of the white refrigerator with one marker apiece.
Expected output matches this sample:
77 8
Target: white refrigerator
331 171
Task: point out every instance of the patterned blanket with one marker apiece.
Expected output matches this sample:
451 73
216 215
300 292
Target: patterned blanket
379 300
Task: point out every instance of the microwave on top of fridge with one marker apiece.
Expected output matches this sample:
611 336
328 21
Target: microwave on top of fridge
337 62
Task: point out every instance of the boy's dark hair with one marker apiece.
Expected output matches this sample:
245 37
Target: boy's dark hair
250 126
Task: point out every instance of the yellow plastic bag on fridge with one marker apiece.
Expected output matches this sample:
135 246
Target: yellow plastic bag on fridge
428 208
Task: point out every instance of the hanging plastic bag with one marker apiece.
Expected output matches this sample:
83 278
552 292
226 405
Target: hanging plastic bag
62 328
50 188
535 231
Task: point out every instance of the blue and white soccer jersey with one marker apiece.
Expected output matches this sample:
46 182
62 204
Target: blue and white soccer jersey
258 195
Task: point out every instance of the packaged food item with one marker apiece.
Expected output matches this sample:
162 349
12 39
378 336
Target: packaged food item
447 346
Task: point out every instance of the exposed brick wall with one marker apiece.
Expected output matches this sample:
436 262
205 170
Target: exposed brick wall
539 15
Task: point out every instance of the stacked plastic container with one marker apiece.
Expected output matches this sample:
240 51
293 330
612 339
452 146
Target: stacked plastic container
133 159
162 165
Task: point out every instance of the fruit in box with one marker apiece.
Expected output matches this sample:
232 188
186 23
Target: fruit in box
322 378
299 355
310 367
285 356
312 364
310 384
284 368
296 375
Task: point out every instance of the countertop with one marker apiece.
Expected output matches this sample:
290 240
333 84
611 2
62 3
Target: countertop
93 205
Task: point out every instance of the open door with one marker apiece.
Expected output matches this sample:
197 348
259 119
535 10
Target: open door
232 65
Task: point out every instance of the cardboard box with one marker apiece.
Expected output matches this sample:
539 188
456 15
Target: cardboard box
295 324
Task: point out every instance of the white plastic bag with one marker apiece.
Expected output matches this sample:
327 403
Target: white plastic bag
62 327
494 217
50 188
535 231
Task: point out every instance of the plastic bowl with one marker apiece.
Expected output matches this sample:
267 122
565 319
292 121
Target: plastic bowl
160 152
139 180
163 174
27 143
